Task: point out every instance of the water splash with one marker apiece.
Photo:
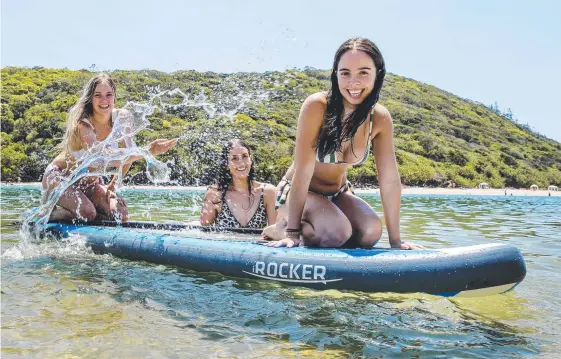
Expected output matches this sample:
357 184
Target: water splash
221 101
107 158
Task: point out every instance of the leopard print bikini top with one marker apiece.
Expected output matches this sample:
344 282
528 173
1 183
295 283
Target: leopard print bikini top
227 219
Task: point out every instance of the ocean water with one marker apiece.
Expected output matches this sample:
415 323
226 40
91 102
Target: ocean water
58 299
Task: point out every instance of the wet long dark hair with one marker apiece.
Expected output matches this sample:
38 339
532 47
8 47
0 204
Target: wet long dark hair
224 177
334 132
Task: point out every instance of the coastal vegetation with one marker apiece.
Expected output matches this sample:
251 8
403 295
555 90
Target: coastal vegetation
440 138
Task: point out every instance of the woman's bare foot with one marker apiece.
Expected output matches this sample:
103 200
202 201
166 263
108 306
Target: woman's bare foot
274 232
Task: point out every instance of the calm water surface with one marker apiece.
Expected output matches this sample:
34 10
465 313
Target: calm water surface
61 300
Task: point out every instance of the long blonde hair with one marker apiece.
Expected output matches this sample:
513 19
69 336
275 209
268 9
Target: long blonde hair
82 109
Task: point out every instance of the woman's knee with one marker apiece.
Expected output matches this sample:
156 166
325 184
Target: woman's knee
309 234
122 212
120 209
78 205
369 234
87 212
337 236
334 236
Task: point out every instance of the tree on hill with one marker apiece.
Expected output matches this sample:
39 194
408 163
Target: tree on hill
440 138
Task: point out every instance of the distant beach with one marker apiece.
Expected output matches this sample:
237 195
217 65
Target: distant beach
405 190
479 192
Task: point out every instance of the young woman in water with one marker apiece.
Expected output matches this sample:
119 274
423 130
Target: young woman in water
90 121
237 200
336 130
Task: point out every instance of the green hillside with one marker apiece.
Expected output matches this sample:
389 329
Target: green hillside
440 138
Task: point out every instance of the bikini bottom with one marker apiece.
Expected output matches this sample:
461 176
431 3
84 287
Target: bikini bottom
284 188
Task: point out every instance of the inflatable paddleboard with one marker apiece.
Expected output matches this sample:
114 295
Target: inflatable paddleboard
477 270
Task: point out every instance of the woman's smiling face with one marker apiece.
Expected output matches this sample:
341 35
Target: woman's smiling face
239 162
356 74
103 100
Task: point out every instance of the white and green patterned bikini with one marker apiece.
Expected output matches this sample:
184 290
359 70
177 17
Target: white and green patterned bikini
332 157
284 186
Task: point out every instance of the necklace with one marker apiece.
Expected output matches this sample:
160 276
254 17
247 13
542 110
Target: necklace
244 194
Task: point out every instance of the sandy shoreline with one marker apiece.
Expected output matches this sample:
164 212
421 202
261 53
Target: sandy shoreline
480 192
405 191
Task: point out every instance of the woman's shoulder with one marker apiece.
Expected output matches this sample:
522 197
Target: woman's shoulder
383 122
381 112
317 99
382 116
85 127
313 111
269 192
62 160
258 186
267 188
84 123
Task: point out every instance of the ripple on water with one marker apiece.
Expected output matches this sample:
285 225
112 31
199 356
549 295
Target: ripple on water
59 299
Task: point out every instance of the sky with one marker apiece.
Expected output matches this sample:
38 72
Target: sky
502 51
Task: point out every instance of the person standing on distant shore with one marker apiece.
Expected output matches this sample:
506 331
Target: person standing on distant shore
336 130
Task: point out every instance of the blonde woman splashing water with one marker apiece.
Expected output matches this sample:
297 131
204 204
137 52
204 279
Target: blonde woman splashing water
336 130
90 122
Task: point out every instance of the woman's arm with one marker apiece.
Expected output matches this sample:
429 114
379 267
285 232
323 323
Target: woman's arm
211 207
89 141
156 147
269 193
54 173
127 142
388 175
309 125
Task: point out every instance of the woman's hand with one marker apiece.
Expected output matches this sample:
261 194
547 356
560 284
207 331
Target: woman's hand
110 189
162 145
212 205
53 179
286 242
406 245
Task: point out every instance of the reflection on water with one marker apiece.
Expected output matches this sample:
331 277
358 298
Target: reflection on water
59 299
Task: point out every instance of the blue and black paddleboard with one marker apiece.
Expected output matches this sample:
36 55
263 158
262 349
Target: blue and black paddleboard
462 271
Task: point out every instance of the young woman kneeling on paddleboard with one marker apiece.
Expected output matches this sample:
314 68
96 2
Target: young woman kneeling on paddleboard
90 121
317 206
237 200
